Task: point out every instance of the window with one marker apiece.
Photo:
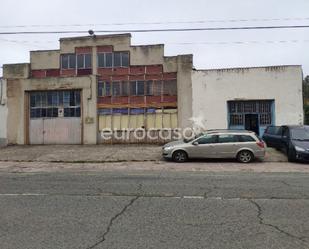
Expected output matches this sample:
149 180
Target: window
108 60
226 138
208 139
116 59
47 104
170 87
68 61
265 119
137 88
104 88
84 61
116 89
157 88
149 88
125 88
236 119
125 59
140 88
101 60
245 138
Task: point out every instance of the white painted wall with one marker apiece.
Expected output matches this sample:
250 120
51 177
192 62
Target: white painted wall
213 88
3 113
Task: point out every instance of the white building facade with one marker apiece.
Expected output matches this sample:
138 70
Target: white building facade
248 98
3 113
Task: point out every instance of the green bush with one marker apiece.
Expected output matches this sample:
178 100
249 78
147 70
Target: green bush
306 111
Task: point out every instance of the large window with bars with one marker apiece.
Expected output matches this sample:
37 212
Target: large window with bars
238 110
53 104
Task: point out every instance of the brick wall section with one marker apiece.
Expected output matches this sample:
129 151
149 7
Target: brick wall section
105 49
52 73
83 50
38 73
68 72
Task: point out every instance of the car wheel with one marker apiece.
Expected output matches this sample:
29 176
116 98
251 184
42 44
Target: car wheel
180 156
291 155
245 156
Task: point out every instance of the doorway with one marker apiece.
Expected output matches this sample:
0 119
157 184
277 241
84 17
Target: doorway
252 123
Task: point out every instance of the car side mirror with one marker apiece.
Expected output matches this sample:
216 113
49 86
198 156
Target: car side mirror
195 143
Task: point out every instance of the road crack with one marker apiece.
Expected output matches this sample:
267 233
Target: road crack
111 222
277 228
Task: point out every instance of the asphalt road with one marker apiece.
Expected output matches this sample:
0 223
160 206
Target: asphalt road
126 210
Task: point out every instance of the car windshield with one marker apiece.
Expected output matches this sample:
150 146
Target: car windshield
195 137
300 134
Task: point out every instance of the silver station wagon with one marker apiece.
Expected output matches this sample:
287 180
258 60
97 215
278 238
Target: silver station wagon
243 145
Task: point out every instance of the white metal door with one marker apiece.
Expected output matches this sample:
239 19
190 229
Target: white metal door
55 117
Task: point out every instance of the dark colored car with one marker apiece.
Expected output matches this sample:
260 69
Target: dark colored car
292 140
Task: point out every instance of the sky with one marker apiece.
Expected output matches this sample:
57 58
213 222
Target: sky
210 49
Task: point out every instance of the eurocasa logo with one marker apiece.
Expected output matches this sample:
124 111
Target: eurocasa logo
198 125
149 134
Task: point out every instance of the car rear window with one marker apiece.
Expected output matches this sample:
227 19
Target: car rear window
226 138
246 138
273 130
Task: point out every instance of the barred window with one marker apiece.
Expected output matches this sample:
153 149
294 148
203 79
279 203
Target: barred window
236 119
264 107
265 119
249 106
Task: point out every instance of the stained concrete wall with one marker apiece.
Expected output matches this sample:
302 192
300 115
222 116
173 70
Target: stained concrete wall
3 113
184 90
47 59
17 104
147 55
139 55
213 88
120 42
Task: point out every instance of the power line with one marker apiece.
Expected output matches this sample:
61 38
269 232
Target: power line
36 42
158 23
155 30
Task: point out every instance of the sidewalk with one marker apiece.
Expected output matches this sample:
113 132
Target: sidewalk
96 153
81 153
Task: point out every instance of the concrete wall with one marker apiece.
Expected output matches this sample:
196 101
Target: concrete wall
146 55
48 59
3 113
120 42
213 88
184 88
17 99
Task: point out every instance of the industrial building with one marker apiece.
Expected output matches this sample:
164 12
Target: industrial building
97 83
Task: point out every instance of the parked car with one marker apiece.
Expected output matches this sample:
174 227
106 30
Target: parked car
243 145
292 140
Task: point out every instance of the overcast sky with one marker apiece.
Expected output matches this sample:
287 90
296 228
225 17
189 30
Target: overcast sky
211 49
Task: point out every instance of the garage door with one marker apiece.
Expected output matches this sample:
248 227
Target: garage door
55 117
